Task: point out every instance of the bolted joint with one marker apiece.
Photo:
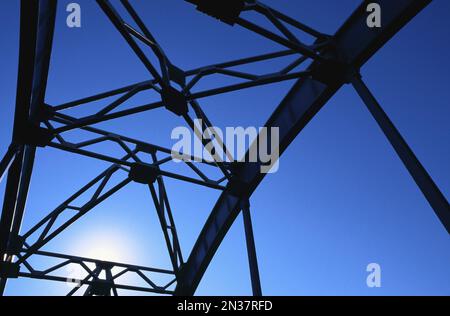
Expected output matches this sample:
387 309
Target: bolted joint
245 204
9 270
175 101
16 245
46 112
227 11
238 187
142 173
101 288
330 71
36 136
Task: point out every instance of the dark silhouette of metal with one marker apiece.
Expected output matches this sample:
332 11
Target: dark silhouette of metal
251 249
415 168
321 69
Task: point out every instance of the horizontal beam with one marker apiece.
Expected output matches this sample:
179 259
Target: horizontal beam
76 259
298 47
243 61
94 119
86 282
124 163
193 72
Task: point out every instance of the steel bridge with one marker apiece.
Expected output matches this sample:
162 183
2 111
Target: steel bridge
321 68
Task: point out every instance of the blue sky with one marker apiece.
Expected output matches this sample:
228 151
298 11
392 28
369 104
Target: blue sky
341 198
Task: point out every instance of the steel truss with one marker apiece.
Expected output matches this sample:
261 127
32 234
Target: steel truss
321 68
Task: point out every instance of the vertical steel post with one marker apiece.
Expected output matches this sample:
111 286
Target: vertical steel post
36 34
110 278
251 250
426 184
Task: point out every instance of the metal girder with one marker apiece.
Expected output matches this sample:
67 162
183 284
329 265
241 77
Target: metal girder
423 180
355 44
113 270
37 27
251 250
7 160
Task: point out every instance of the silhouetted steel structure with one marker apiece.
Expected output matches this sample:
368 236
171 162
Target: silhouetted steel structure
321 69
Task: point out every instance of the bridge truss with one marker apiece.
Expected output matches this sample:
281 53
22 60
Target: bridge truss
320 69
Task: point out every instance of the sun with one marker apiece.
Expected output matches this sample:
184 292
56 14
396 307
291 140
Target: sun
105 245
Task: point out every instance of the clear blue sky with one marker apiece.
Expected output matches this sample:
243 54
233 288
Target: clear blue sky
341 198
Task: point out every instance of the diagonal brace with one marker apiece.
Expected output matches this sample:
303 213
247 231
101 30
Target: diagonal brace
426 184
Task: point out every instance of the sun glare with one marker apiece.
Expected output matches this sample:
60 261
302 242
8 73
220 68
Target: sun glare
107 245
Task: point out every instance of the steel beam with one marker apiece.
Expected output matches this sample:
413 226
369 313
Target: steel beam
423 180
251 250
87 282
7 160
37 27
